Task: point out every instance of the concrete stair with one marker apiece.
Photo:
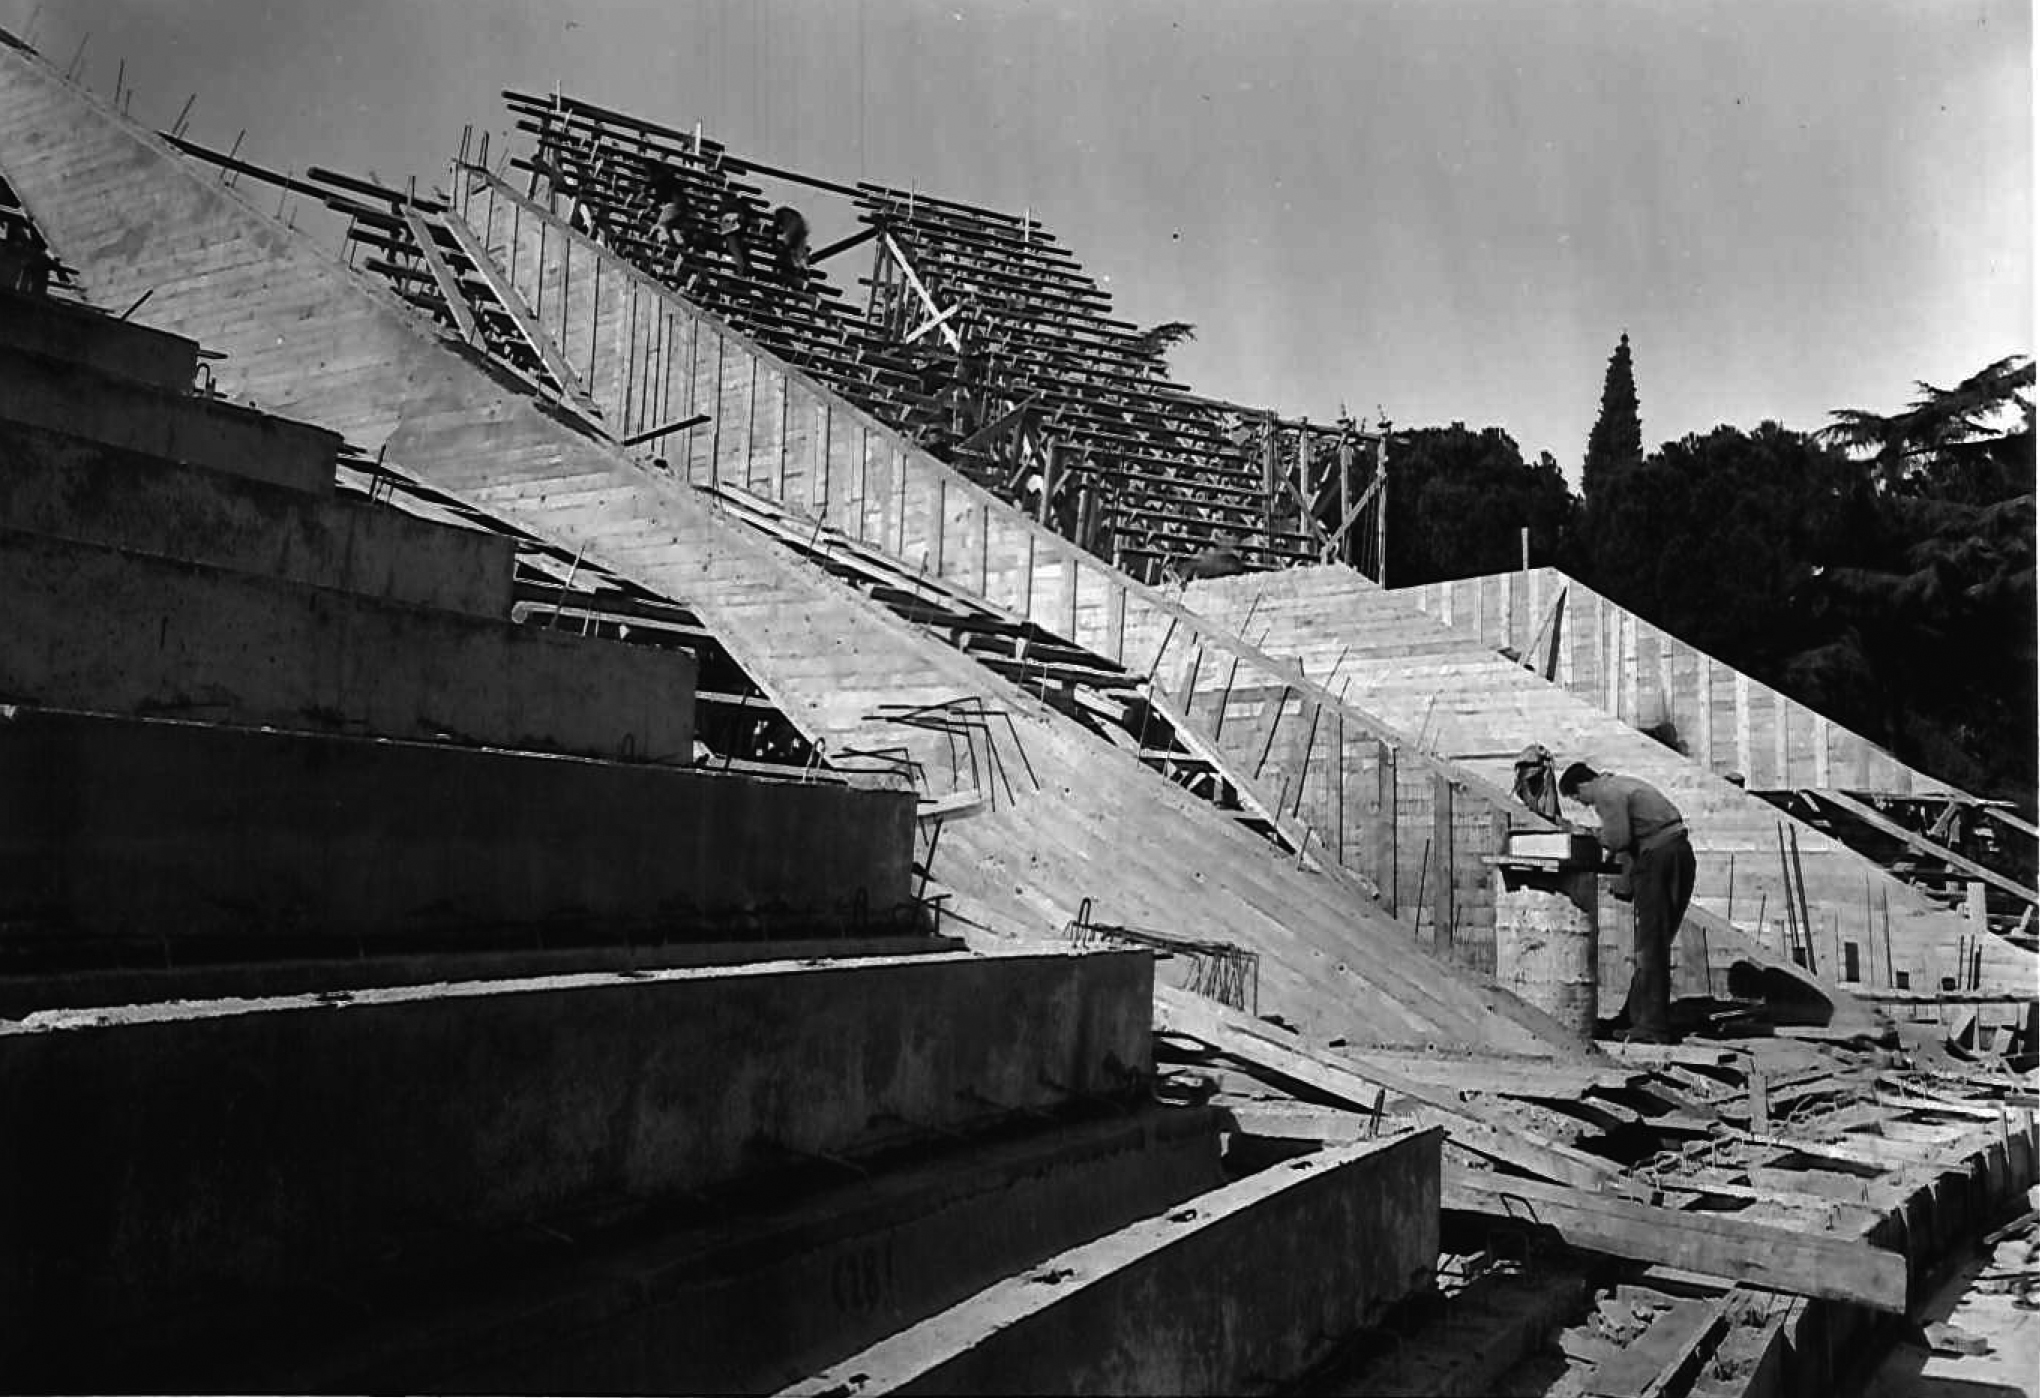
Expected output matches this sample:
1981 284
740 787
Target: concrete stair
62 487
1474 705
41 390
90 337
127 842
303 333
422 1137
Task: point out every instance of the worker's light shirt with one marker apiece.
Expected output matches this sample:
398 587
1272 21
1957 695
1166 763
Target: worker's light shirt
1631 812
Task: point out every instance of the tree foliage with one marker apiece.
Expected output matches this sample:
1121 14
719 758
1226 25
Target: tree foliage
1615 446
1458 499
1880 571
1155 343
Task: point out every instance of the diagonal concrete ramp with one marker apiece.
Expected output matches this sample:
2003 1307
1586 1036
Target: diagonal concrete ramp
1477 707
1416 826
305 335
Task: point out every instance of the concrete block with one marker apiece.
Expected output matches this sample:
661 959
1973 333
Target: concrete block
1239 1292
163 1161
68 488
96 629
755 1299
39 391
118 830
88 336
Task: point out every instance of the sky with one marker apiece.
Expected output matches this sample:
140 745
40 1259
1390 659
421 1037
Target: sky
1436 211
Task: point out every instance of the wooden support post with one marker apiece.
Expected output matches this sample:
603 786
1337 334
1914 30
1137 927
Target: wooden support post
1381 510
1444 915
1270 721
1269 484
1339 789
1388 876
1342 545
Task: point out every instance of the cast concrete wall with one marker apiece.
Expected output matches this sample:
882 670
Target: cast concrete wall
1645 676
166 1159
1478 707
97 340
68 488
40 391
1241 1291
97 629
118 831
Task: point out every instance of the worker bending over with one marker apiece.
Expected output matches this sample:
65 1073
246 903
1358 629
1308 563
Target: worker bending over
1647 836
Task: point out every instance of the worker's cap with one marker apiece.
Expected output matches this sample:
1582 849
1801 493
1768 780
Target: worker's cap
1536 755
1575 777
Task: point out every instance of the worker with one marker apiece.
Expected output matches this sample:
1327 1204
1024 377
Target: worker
669 202
1536 784
1219 559
790 245
1647 836
733 227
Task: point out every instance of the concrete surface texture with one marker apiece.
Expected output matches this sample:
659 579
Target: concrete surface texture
91 337
305 335
210 1155
119 831
1240 1291
1643 675
765 1296
1421 673
66 488
96 628
42 391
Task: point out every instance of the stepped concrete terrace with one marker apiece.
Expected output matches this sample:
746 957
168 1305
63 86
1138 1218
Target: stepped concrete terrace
1477 706
1380 805
203 1171
303 334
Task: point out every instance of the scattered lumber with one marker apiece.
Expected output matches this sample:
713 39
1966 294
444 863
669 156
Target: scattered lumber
1367 1087
1807 1264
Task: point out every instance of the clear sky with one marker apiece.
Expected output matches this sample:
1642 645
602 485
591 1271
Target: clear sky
1445 210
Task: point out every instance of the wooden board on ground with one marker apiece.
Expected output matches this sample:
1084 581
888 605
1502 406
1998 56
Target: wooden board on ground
1807 1264
1364 1086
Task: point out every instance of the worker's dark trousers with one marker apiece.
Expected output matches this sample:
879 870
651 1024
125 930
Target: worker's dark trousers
1661 885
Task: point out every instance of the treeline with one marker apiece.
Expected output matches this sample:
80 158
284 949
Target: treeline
1880 570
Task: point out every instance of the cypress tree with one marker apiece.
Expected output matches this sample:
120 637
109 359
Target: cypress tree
1615 446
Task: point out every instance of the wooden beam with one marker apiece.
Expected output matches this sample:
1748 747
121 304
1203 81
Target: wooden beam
1783 1259
914 281
1920 844
442 276
842 245
512 306
1664 1358
1363 1085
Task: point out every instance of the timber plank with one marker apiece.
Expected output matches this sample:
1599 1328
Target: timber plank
1804 1263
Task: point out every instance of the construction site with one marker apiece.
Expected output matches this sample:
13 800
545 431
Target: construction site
594 800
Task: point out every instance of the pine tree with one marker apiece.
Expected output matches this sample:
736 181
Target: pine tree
1616 444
